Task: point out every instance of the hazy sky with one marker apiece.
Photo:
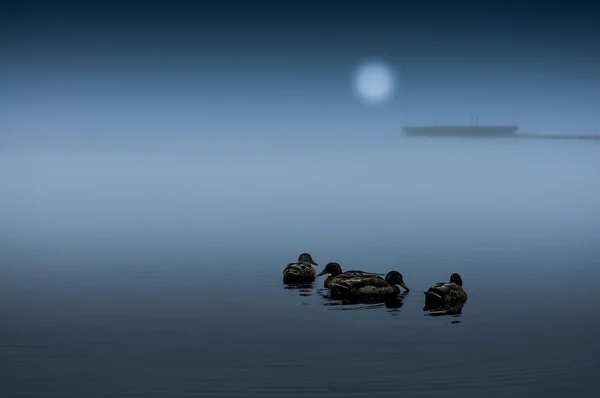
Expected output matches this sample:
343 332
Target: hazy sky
282 70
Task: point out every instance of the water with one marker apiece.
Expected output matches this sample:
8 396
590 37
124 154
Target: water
156 272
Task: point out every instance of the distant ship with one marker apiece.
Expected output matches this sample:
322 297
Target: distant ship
461 131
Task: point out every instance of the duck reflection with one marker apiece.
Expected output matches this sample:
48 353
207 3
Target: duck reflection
453 309
302 289
393 302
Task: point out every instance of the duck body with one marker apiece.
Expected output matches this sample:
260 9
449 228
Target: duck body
446 294
337 276
301 270
368 286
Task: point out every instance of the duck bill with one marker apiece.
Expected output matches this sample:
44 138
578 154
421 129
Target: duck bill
322 273
313 263
404 286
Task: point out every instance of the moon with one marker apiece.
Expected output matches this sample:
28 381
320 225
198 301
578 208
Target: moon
374 82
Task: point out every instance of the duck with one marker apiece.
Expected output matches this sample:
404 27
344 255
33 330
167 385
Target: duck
335 274
375 286
301 270
446 294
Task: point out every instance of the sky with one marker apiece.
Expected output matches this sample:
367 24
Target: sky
280 71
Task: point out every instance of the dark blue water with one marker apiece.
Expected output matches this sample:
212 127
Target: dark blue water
156 272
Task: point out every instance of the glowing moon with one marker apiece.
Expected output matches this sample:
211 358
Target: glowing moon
374 82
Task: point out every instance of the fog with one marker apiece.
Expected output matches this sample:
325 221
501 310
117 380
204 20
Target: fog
252 198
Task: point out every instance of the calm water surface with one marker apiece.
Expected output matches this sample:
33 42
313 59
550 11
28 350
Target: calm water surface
157 272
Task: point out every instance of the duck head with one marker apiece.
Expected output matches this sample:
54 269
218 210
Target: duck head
306 258
455 278
331 268
395 278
